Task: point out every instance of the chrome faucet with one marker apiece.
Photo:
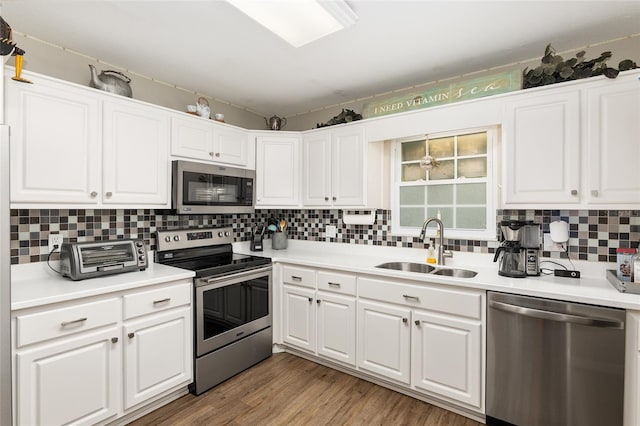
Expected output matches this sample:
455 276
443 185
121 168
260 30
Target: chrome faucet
442 253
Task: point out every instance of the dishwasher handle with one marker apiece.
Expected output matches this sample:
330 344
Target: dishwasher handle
556 316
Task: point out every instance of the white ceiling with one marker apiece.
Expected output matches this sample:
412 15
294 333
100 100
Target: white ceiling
208 46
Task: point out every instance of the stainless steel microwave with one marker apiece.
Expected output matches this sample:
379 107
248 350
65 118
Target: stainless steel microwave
199 188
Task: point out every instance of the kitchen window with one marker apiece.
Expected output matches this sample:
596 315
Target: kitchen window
447 174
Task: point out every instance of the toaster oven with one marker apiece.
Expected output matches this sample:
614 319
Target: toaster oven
95 259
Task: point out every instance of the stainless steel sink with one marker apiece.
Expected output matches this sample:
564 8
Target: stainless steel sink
457 273
408 266
423 268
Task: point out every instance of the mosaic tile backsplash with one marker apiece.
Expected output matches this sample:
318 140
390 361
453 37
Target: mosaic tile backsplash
594 234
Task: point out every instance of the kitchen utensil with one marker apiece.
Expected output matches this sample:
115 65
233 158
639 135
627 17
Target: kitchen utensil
272 228
283 225
110 81
275 122
202 108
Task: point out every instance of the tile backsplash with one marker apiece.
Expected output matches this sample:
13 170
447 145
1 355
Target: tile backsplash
594 234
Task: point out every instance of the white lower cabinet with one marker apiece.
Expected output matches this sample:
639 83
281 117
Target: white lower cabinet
72 380
157 355
446 354
384 337
320 319
89 361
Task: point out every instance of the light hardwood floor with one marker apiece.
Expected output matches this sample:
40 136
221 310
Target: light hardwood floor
288 390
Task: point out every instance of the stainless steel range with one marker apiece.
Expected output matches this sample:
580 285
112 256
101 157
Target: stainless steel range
232 302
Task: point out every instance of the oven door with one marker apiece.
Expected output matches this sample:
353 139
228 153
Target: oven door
231 307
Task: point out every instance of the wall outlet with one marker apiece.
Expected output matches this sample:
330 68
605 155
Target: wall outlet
331 231
551 246
55 240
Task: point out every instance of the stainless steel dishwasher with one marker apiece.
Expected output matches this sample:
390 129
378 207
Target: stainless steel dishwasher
553 363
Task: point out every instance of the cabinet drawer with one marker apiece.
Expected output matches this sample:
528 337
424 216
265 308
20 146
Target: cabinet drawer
454 301
156 300
339 283
37 327
299 276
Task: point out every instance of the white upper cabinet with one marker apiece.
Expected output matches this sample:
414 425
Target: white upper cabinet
135 155
542 148
613 141
77 147
574 146
340 169
55 143
196 138
278 171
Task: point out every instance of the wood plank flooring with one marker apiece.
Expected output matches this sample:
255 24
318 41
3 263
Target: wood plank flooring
288 390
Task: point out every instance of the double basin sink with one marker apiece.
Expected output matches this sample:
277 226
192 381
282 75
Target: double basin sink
423 268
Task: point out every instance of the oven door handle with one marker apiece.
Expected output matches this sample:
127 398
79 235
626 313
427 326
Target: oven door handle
234 276
556 316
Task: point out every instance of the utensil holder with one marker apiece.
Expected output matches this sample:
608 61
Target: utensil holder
279 240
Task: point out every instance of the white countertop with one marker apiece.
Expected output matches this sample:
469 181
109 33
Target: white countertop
35 284
592 288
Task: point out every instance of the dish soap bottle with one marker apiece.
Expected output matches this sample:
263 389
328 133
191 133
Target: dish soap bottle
431 256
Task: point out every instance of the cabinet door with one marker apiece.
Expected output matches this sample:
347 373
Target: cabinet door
192 138
230 146
336 330
54 143
136 148
348 167
158 355
316 169
278 171
447 357
73 380
613 135
383 340
542 148
299 318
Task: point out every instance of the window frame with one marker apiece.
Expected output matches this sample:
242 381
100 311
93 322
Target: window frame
492 185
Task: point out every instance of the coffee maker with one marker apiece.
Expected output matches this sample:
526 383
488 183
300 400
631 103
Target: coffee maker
520 249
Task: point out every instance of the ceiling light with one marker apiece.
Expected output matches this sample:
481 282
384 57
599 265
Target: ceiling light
299 22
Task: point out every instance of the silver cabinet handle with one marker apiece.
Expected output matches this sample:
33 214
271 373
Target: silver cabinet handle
76 321
157 302
406 296
417 322
310 299
334 284
318 301
405 320
594 192
294 278
574 192
131 335
217 154
556 316
334 198
211 154
114 340
109 194
326 198
93 194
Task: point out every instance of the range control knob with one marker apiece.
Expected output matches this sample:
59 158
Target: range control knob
141 258
167 239
140 251
227 233
176 238
138 243
220 234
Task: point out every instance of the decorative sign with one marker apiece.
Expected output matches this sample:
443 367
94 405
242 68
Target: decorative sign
454 92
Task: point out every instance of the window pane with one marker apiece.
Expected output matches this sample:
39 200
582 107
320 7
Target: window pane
412 172
443 171
411 216
413 151
471 218
471 193
412 195
440 194
442 147
472 167
446 215
474 144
